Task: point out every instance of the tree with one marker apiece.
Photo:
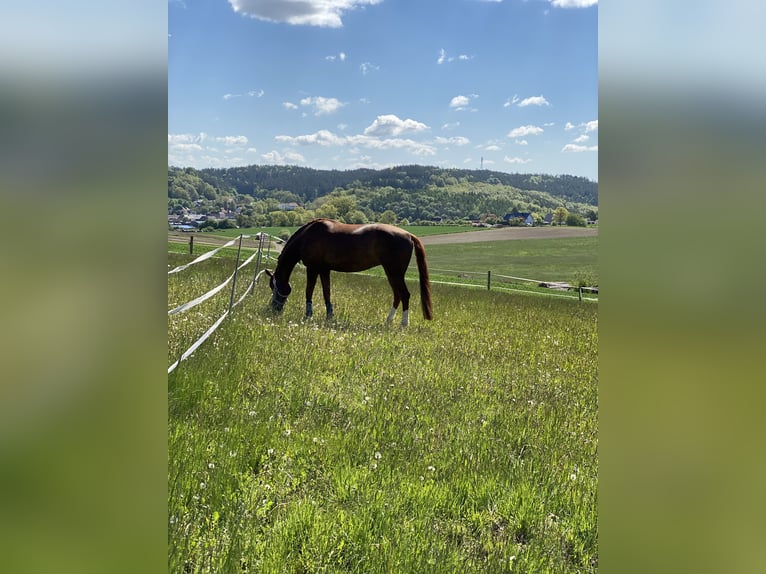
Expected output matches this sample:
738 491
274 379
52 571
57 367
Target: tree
560 215
389 217
575 220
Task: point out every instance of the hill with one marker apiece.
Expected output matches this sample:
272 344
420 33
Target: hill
412 192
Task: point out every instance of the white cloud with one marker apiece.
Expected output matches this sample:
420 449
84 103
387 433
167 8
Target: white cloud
462 102
492 148
569 126
327 138
457 140
367 67
573 3
591 126
322 105
534 101
288 157
325 13
443 57
232 140
581 139
175 139
451 126
322 137
256 93
574 148
289 106
522 131
509 102
522 142
391 125
507 159
341 57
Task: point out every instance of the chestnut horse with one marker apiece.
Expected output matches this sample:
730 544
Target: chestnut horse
324 245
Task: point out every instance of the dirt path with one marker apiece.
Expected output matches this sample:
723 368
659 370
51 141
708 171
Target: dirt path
508 234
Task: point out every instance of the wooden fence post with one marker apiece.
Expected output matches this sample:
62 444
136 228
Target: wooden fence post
191 245
489 273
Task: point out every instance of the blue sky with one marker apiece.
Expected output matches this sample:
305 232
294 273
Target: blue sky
342 84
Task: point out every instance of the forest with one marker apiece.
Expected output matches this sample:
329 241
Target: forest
288 195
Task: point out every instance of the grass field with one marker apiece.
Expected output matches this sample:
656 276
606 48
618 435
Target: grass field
464 444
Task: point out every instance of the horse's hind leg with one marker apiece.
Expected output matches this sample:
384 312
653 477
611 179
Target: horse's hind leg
401 293
325 275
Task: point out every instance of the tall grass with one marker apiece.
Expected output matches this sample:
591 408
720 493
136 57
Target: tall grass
464 444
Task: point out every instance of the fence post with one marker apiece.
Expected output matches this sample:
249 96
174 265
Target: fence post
580 290
258 259
236 266
191 245
489 274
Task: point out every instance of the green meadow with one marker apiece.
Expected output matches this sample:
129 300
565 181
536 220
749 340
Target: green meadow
463 444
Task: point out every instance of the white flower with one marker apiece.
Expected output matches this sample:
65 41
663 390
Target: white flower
211 465
378 456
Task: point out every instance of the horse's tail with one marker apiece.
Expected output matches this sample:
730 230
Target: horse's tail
425 283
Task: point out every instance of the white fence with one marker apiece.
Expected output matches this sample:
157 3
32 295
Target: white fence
257 256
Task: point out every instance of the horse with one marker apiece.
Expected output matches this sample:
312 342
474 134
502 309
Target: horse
325 245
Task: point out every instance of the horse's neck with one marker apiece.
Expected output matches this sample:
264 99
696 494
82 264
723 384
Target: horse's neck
288 259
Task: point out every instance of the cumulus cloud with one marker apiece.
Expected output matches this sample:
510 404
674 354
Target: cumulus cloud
322 106
581 139
462 102
509 102
232 140
289 106
341 57
327 138
522 131
569 126
534 101
367 67
574 148
507 159
456 140
573 3
322 137
281 158
324 13
391 125
591 126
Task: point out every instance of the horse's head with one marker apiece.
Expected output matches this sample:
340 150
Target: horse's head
279 292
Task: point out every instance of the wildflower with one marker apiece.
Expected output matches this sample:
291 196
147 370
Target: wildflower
270 451
251 413
232 453
431 468
378 456
211 465
287 432
202 485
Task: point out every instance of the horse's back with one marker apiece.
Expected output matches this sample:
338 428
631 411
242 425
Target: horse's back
356 247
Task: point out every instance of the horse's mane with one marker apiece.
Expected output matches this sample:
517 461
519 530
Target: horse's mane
288 256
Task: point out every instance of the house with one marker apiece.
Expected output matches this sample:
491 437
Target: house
288 206
525 217
548 219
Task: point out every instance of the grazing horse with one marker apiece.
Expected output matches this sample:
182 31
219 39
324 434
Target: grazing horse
324 245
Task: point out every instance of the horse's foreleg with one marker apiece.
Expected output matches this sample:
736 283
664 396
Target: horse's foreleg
325 275
311 281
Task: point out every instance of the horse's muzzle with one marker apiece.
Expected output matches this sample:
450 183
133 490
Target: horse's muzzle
277 303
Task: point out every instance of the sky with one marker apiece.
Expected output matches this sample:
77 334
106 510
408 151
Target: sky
506 85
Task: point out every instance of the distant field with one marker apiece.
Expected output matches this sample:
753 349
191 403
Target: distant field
419 230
